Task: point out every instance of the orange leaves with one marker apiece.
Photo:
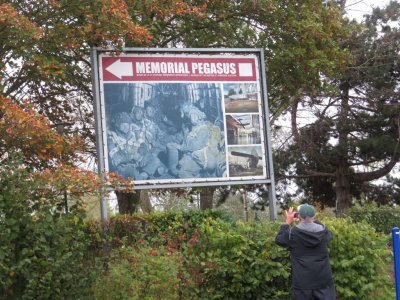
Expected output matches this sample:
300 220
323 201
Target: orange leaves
65 177
139 34
121 19
111 22
115 9
169 8
7 12
119 183
10 19
182 8
27 131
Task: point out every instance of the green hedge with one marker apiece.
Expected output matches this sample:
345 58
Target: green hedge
140 273
43 254
382 218
241 262
222 260
361 261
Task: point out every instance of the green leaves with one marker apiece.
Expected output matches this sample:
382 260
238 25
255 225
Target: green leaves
42 255
170 254
350 134
241 261
143 272
225 260
382 218
359 260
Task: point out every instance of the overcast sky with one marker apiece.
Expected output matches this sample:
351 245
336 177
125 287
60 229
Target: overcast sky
357 8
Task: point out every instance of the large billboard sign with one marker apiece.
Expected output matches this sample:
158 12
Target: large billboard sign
190 118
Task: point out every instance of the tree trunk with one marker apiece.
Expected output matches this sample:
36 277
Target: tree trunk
342 188
128 203
145 203
206 198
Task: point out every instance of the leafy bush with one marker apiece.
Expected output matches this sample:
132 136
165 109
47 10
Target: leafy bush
242 261
360 259
157 226
382 218
43 255
217 259
142 273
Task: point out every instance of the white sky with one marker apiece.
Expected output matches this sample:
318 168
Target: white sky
357 8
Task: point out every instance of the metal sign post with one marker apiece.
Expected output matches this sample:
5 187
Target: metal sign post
99 133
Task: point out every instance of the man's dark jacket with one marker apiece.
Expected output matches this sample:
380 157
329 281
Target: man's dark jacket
309 255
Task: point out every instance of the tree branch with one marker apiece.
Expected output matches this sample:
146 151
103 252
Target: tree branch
368 176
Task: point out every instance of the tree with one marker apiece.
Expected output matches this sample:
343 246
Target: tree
45 50
353 134
48 157
37 168
300 39
46 46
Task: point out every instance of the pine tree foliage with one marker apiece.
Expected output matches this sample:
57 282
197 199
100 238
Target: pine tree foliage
353 131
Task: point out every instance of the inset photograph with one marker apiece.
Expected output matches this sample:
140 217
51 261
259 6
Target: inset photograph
245 161
243 129
241 97
162 131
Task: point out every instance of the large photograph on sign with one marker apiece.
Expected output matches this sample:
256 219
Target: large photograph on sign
184 119
165 130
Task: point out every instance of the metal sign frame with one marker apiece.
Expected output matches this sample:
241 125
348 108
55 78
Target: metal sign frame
212 126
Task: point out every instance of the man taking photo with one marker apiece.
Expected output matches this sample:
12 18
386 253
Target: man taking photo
307 242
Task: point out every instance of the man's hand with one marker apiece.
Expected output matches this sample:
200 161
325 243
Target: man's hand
289 216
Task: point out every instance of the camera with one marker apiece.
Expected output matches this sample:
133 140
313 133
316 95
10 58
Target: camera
296 215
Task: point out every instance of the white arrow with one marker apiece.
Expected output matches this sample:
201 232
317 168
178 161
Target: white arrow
120 69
